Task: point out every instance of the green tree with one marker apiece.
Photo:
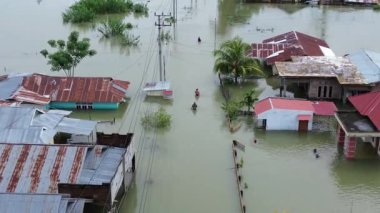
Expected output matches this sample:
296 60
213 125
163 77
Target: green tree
68 54
232 59
159 119
249 99
231 108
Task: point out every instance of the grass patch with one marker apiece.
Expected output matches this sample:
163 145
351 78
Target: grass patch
86 10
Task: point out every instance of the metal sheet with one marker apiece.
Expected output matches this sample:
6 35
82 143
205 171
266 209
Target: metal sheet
32 135
42 203
76 89
16 117
101 168
8 86
76 126
368 64
38 168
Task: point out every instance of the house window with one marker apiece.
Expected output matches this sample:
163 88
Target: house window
319 91
330 91
324 91
84 105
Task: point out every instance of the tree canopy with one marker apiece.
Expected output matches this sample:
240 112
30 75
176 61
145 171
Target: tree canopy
68 54
232 59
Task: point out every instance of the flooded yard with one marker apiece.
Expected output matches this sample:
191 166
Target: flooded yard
188 168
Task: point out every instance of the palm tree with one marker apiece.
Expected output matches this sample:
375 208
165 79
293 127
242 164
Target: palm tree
249 99
232 59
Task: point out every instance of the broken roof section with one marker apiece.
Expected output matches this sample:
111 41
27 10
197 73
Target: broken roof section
368 63
313 66
42 89
42 203
293 43
39 168
29 125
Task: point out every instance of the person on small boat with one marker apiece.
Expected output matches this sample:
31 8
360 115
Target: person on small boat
194 106
197 93
199 40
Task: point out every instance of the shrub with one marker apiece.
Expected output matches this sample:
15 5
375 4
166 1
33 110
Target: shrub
377 7
159 119
85 10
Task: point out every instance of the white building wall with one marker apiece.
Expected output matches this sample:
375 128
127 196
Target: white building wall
283 119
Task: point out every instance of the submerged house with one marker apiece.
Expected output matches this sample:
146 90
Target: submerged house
63 92
322 77
362 125
97 173
283 47
276 113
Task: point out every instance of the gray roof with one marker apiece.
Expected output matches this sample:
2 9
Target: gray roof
38 168
37 135
41 203
8 86
29 125
368 63
50 120
101 169
76 126
16 117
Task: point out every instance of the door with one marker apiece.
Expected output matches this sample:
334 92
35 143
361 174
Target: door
302 125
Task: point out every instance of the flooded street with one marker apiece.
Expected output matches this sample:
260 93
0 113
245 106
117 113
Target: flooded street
187 168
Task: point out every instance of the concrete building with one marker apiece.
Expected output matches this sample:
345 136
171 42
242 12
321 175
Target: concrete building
275 113
361 125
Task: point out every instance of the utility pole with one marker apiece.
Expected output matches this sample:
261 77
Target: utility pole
175 11
161 23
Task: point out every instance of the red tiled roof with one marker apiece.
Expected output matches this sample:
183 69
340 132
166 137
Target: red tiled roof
292 43
324 108
282 103
42 89
368 104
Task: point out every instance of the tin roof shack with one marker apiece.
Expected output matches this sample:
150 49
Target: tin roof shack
42 203
360 125
322 77
91 172
275 113
282 47
64 92
30 125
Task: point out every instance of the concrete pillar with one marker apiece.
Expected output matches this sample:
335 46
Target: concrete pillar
284 87
350 148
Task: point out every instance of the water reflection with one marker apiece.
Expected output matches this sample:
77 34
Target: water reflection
357 175
232 12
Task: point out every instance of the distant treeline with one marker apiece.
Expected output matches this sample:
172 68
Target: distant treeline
86 10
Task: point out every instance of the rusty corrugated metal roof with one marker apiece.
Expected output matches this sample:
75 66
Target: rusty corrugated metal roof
368 104
282 47
41 89
321 67
38 168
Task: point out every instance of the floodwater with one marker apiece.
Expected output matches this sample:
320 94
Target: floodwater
188 167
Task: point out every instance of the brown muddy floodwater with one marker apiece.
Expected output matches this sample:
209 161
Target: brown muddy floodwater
187 169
